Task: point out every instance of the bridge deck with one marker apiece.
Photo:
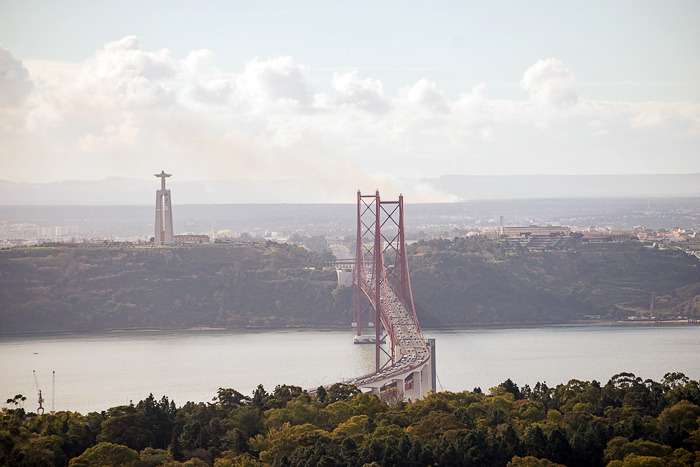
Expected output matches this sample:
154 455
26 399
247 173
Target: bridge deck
412 349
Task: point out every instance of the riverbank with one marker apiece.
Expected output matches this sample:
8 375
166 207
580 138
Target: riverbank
146 330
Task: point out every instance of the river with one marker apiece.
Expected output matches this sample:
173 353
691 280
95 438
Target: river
98 371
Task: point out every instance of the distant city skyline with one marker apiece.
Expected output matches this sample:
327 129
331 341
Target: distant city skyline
364 95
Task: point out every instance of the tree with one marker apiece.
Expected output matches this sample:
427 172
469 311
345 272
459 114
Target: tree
160 418
107 455
259 395
341 391
16 401
619 448
531 462
534 443
126 425
639 461
321 394
677 422
230 399
512 388
283 394
154 457
673 379
558 447
435 425
281 442
505 446
248 420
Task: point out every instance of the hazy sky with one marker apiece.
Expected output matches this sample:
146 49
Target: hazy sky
363 93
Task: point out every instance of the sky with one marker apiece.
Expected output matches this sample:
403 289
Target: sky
362 94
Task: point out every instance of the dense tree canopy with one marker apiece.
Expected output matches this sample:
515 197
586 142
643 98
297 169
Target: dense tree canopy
625 422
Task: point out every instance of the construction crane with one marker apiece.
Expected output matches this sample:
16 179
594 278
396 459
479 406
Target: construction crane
40 410
53 394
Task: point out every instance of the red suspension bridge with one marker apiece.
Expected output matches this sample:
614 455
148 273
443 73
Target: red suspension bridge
383 300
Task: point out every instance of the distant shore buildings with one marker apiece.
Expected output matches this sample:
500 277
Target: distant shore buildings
191 239
549 230
534 237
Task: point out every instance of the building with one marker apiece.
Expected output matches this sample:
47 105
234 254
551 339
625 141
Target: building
191 239
535 238
608 237
552 230
164 213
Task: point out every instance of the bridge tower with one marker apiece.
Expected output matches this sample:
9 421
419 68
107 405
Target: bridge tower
381 262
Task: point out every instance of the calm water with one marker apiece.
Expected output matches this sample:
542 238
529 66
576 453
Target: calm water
95 372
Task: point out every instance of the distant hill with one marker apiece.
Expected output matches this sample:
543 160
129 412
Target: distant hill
460 282
472 187
128 191
92 288
473 280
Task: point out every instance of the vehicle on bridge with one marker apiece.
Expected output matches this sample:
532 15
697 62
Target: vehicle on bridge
383 297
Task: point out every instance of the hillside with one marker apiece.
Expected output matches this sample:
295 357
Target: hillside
96 288
465 281
477 281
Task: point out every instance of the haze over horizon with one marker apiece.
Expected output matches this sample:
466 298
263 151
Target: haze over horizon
378 95
120 191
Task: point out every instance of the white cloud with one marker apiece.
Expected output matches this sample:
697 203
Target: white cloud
550 83
367 94
212 92
130 112
277 81
123 75
424 95
15 84
199 62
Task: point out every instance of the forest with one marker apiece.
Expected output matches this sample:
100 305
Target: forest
93 288
459 282
625 422
475 280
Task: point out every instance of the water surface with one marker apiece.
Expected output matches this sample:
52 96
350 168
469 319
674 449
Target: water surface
98 371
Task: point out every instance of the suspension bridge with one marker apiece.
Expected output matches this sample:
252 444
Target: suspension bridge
383 301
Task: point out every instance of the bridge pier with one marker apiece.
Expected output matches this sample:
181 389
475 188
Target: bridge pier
412 385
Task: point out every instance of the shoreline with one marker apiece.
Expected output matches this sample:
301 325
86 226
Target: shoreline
50 333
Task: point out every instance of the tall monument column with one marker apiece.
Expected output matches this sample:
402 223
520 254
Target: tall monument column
164 213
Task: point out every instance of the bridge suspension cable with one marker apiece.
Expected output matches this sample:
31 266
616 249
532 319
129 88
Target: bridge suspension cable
383 299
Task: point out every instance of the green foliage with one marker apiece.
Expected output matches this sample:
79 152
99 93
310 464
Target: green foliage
473 280
340 391
619 448
107 455
464 281
530 461
151 457
626 422
230 399
84 289
128 426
